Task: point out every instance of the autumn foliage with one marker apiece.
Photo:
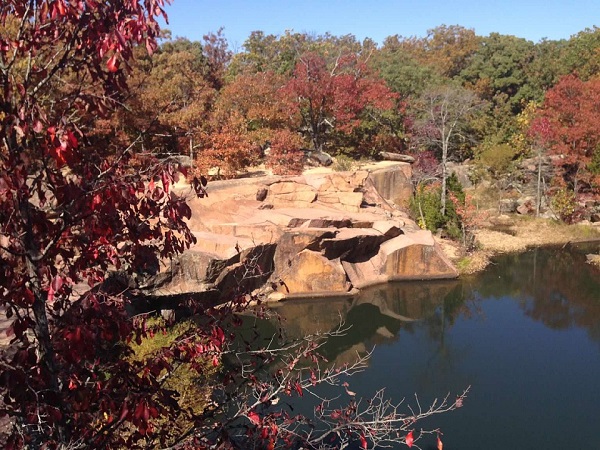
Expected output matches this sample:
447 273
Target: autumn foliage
91 110
568 126
72 211
286 156
333 98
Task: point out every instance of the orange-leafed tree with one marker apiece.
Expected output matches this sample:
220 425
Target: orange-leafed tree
259 99
249 111
446 48
286 156
226 149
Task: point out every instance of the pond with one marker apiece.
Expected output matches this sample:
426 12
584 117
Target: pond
524 334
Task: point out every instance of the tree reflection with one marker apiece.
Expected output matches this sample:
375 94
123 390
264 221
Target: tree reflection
554 286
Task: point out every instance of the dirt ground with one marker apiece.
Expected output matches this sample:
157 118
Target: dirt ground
519 234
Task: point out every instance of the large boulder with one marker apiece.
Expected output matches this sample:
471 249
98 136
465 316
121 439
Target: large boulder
413 256
393 183
310 273
310 235
227 264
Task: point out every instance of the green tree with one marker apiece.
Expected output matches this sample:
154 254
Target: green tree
280 54
498 72
547 66
402 72
581 54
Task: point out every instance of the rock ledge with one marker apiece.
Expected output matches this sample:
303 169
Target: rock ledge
311 235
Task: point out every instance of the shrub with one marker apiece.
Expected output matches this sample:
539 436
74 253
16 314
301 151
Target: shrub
497 159
564 204
426 206
342 163
286 156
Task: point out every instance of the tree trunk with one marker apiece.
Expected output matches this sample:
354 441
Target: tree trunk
538 199
44 348
444 176
41 329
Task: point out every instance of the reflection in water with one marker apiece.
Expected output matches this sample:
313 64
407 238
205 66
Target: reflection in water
524 334
552 285
374 317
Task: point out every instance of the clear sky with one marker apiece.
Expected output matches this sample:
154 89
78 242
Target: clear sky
377 19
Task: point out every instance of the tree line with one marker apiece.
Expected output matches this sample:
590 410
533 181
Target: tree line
450 95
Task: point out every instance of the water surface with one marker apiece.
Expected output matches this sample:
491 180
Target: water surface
525 335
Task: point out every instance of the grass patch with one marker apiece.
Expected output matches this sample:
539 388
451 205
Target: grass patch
473 262
152 345
192 384
463 264
342 163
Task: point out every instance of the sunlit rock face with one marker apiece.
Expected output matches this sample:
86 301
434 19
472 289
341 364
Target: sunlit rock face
311 235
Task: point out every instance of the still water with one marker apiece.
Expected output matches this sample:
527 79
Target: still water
525 335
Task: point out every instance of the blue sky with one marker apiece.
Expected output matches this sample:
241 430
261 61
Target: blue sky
377 19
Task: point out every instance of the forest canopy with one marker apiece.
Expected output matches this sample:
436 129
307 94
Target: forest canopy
336 94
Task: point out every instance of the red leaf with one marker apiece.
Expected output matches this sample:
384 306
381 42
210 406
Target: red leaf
150 46
363 442
96 200
72 139
124 412
264 433
409 439
113 63
50 297
254 417
57 283
440 444
165 181
139 411
61 8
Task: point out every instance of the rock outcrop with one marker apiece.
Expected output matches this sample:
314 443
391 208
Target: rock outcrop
311 235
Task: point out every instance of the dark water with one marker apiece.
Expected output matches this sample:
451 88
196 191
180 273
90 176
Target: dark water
525 335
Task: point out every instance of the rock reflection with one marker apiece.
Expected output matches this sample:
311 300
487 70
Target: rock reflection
551 285
374 317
